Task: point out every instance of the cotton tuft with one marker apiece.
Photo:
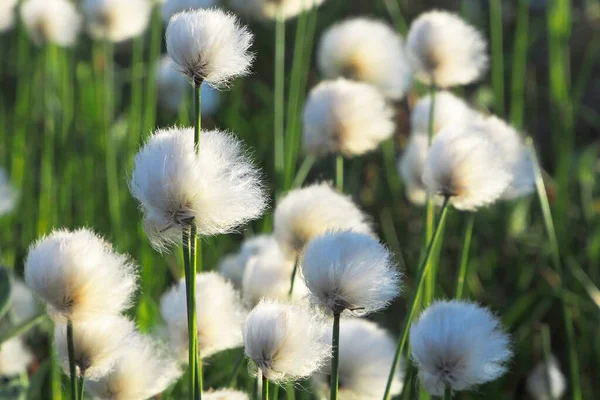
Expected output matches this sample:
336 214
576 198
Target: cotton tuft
459 345
547 381
345 117
272 9
172 7
225 394
7 14
23 305
14 357
8 194
411 165
448 110
117 20
51 21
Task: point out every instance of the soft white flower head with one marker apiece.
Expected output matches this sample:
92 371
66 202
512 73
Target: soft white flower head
96 343
546 381
225 394
346 117
349 271
141 371
219 316
308 212
117 20
172 7
8 195
209 45
459 345
366 357
79 276
14 357
218 189
7 14
272 9
448 110
51 21
466 167
410 167
23 305
283 340
446 49
366 50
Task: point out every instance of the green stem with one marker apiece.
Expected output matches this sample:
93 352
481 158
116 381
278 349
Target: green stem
155 43
335 348
339 173
464 259
71 351
198 115
191 310
393 8
278 127
135 112
236 370
303 171
497 55
20 329
265 387
80 387
430 209
274 391
447 393
519 69
293 278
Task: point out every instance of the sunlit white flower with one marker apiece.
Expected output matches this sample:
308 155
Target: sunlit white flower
446 50
8 195
14 357
458 345
209 45
366 50
78 275
283 341
546 381
410 167
7 14
271 9
117 20
346 117
52 21
172 7
23 305
225 394
217 190
448 110
366 357
351 271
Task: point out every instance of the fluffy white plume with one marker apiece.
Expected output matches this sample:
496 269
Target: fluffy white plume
219 316
366 356
308 212
411 165
51 21
225 394
467 167
218 189
346 117
172 7
7 14
117 20
14 357
79 276
8 195
284 340
366 50
23 304
459 345
448 110
446 49
546 381
349 271
209 45
269 9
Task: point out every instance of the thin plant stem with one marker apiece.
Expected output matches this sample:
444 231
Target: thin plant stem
293 278
274 391
393 8
339 172
279 119
290 391
80 387
71 351
155 43
464 258
303 171
335 348
430 208
20 329
191 309
497 55
265 387
447 393
135 113
519 68
236 370
547 351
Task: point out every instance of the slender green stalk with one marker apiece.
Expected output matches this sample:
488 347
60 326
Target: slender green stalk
191 311
464 258
290 391
447 393
393 8
274 391
279 121
335 360
71 351
135 111
497 55
265 387
236 371
303 171
80 387
430 208
519 69
20 329
547 351
155 43
339 173
293 277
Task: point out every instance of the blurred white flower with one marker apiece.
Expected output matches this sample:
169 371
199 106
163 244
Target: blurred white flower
172 7
411 165
546 381
14 357
8 195
117 20
366 50
232 266
448 110
225 394
51 21
23 305
458 345
272 9
346 117
7 14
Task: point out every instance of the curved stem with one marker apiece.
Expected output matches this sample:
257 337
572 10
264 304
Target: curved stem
279 121
236 370
191 309
335 345
80 387
339 173
293 278
71 351
464 259
265 387
430 210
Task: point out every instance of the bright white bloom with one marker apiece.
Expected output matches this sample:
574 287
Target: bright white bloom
411 165
7 14
346 117
366 357
172 7
79 276
219 316
217 190
547 376
96 343
459 345
467 167
14 357
366 50
308 212
117 20
209 45
52 21
8 195
448 110
272 9
225 394
141 371
350 271
23 305
283 341
231 268
446 49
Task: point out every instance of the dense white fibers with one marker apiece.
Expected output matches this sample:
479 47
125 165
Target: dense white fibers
117 20
225 394
14 357
270 9
546 381
172 7
8 195
51 21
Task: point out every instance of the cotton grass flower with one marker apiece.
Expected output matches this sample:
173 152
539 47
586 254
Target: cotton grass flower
547 381
225 394
51 21
445 50
345 117
448 110
366 50
172 7
117 20
232 266
411 165
283 341
23 305
14 357
457 345
7 14
272 9
79 276
209 45
8 194
217 190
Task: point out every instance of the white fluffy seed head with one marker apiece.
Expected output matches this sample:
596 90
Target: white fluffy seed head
308 212
351 272
219 316
459 345
232 266
23 304
225 394
51 21
218 189
14 357
467 167
272 9
411 165
284 341
366 50
7 14
79 276
446 49
209 45
117 20
448 110
8 194
345 117
172 7
547 381
96 343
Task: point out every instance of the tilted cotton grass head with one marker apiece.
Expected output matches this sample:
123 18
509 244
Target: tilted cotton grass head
217 190
448 110
117 20
172 7
225 394
52 21
284 341
8 194
546 381
209 45
79 276
458 345
446 49
345 117
366 50
272 9
349 271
